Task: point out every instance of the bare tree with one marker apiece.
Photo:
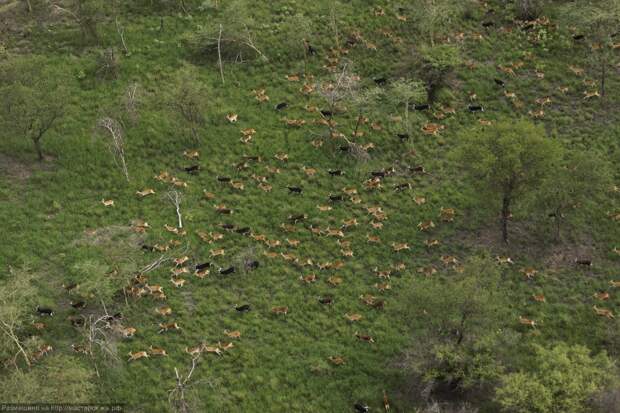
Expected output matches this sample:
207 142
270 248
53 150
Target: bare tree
121 33
175 199
131 102
113 130
97 337
176 396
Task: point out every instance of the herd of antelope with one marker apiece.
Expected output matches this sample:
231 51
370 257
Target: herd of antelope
366 219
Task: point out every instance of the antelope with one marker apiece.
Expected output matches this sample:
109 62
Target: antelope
510 95
271 254
43 350
353 317
419 200
376 225
539 297
159 295
107 202
324 208
232 117
310 278
449 260
576 70
365 338
383 286
527 322
202 273
334 233
337 360
317 143
428 270
373 238
225 346
432 128
602 295
38 326
325 265
615 284
346 253
356 199
504 260
309 171
179 271
145 192
154 288
280 310
173 230
272 243
529 272
217 252
288 257
338 265
295 122
178 282
590 95
282 157
292 78
350 191
349 223
191 154
292 242
194 351
137 355
603 312
127 332
485 122
156 351
163 327
367 299
386 402
237 185
425 226
213 349
164 311
334 281
398 246
258 237
383 274
447 214
233 334
80 349
431 243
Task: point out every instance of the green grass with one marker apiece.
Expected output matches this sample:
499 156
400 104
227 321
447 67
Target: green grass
280 363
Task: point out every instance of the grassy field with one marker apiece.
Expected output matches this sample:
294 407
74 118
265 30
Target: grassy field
56 225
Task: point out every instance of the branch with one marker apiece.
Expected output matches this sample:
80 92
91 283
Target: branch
175 198
219 54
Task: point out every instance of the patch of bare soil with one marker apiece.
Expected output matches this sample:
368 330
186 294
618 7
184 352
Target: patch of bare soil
113 236
18 171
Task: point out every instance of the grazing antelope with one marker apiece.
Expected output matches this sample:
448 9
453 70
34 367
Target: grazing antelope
576 70
273 243
419 200
43 350
346 223
353 317
310 278
164 311
145 192
603 312
337 360
288 257
447 214
539 297
282 157
107 202
334 281
527 322
80 349
292 78
280 310
432 128
376 225
232 117
178 282
179 271
383 274
233 334
346 253
217 252
365 338
159 295
137 355
510 95
383 286
425 226
373 238
163 327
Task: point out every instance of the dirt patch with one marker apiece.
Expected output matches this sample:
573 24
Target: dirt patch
14 169
117 236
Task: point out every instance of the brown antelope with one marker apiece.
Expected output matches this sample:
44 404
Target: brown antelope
292 242
428 271
485 122
80 349
43 350
271 254
156 351
431 243
38 326
237 185
194 351
191 154
292 78
282 157
164 311
432 128
425 226
107 202
615 284
179 271
373 238
603 312
310 278
233 334
307 89
127 332
537 114
145 192
212 349
273 243
419 200
173 230
346 253
217 252
154 288
449 260
365 338
590 95
334 281
447 214
602 295
383 286
576 70
258 237
527 322
529 272
398 246
334 233
225 346
325 265
288 257
510 95
159 295
349 223
337 360
232 117
324 208
504 260
383 274
349 191
317 143
353 317
201 273
368 299
137 355
344 243
178 282
543 100
376 225
539 297
163 327
280 310
309 171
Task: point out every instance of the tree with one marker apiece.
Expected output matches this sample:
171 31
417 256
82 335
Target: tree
528 9
86 13
507 161
113 133
600 20
33 99
438 64
458 325
189 99
61 379
436 17
562 380
404 92
362 101
16 303
577 182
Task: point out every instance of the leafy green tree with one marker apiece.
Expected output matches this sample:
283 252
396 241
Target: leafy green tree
33 99
562 380
438 64
363 101
436 17
507 161
458 327
60 379
404 92
579 181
